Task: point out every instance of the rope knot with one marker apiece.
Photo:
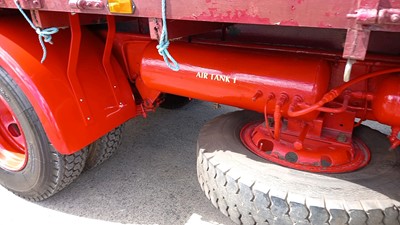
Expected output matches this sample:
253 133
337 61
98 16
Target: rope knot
162 46
163 43
46 34
43 35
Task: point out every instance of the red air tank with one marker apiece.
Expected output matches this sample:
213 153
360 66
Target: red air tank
386 101
236 76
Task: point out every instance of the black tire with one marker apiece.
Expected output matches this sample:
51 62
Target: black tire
250 190
171 101
104 147
46 171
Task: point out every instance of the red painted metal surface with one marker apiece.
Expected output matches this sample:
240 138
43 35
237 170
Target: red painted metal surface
132 46
386 101
235 76
327 153
334 93
61 19
13 149
386 106
309 136
311 13
72 69
53 92
284 86
357 38
329 14
181 28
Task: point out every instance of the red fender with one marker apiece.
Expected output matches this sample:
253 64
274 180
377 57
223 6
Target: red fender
71 122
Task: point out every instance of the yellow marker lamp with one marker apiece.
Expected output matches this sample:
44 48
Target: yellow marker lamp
120 6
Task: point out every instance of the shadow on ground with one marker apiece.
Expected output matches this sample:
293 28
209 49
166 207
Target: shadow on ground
152 179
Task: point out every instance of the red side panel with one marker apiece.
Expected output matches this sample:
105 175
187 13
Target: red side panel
71 123
312 13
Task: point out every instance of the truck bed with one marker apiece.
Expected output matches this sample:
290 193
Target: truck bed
310 13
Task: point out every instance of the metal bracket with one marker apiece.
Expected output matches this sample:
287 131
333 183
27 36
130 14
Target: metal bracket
86 4
355 48
31 4
72 68
357 37
375 17
364 16
356 43
155 25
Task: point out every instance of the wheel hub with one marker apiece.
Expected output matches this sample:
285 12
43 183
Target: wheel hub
13 152
329 153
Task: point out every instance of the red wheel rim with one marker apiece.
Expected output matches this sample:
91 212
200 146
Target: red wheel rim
13 151
282 152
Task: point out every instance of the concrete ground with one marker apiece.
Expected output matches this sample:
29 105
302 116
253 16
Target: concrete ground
151 180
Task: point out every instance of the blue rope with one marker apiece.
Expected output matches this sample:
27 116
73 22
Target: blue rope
43 35
164 42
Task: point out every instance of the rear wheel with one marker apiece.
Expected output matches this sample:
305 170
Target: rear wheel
251 190
29 165
104 148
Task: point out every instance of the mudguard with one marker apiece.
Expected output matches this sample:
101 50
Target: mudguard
75 109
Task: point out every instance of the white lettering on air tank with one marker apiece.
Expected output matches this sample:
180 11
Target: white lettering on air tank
216 77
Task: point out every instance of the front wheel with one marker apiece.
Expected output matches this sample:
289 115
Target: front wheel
29 165
251 190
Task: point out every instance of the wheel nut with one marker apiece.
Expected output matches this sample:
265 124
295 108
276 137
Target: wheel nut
291 157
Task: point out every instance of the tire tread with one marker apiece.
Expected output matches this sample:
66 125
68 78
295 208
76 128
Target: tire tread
64 175
60 169
247 202
104 148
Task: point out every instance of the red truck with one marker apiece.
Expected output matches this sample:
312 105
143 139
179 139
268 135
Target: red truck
306 72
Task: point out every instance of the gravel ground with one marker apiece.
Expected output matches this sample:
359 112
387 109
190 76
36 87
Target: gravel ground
151 180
